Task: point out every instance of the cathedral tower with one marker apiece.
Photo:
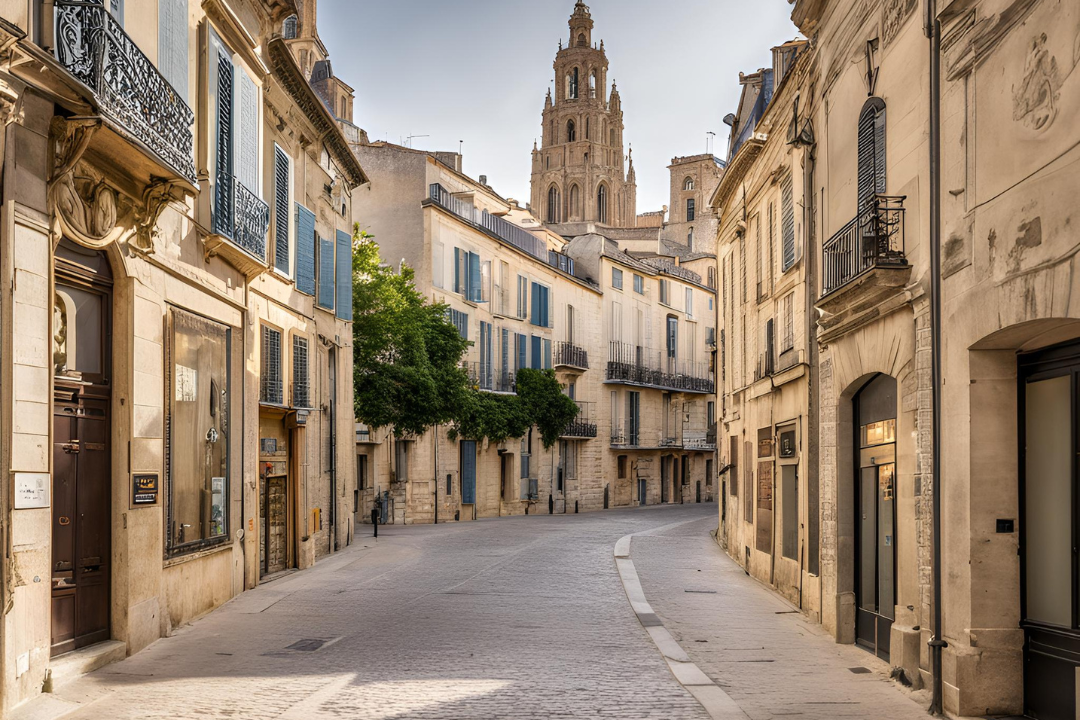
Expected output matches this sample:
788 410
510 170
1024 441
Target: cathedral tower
579 174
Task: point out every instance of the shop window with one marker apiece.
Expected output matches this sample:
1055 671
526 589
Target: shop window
197 442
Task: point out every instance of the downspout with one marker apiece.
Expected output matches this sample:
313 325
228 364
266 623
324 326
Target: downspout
436 453
812 363
933 30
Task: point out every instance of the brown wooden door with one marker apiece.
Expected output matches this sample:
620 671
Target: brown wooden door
81 519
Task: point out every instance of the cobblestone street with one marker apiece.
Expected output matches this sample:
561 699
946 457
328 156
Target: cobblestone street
513 618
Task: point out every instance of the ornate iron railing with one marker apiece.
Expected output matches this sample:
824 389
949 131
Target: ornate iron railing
636 365
584 425
874 238
94 48
241 216
570 355
521 239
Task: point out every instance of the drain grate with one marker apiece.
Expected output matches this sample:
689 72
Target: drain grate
860 670
701 592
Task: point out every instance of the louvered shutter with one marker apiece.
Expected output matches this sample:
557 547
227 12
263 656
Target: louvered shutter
281 210
475 278
457 270
301 376
536 311
537 350
505 352
326 273
270 375
247 132
223 192
468 472
305 250
787 232
344 275
173 44
871 153
522 351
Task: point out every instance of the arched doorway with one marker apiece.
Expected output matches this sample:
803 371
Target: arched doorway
82 460
875 514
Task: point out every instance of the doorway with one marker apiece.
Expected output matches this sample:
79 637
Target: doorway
875 514
82 460
276 500
1049 604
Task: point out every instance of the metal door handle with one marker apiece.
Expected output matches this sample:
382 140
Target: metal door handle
70 448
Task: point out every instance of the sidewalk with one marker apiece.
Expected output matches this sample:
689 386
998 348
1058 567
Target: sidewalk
773 662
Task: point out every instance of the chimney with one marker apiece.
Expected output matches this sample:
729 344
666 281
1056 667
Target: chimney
483 180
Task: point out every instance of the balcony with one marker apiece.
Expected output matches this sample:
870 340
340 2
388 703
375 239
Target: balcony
484 376
568 355
507 232
641 366
243 219
133 96
624 435
584 425
865 260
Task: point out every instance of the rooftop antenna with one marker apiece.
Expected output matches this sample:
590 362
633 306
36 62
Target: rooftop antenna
410 138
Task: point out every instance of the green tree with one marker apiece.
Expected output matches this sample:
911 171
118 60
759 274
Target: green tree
544 404
406 352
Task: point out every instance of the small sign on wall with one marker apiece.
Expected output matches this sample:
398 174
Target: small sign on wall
144 488
32 490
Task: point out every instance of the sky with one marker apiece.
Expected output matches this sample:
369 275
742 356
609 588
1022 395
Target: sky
477 71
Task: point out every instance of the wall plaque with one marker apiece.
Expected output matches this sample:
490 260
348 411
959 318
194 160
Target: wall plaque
144 488
32 490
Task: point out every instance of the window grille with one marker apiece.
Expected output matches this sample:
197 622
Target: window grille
270 376
301 376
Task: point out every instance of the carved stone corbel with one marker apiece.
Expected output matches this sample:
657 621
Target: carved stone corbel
155 199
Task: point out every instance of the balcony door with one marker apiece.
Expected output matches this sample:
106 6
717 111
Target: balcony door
875 515
1049 604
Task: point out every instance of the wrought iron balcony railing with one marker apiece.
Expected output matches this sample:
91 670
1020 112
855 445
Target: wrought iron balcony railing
584 425
624 435
521 239
637 365
874 238
94 48
485 376
241 216
570 355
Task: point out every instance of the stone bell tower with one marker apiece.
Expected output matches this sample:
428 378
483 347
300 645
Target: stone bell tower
580 172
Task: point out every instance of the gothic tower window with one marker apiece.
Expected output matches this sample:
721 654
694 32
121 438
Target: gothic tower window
581 41
688 184
586 128
289 28
690 210
572 84
612 143
602 204
592 85
575 202
871 151
571 131
553 204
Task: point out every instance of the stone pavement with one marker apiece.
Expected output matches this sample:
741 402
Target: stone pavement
767 657
519 617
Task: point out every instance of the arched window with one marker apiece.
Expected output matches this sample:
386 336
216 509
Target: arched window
587 128
612 143
601 204
871 151
592 85
688 184
289 28
575 202
553 205
690 212
690 238
547 162
571 131
581 41
572 84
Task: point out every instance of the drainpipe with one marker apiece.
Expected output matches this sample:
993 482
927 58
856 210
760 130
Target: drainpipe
933 30
436 453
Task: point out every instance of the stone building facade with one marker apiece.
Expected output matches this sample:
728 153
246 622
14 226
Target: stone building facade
580 172
175 363
692 220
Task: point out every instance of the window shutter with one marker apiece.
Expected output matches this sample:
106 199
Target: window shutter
270 375
537 348
787 223
247 135
536 312
301 378
547 354
173 44
281 210
344 275
457 270
475 292
326 273
871 152
549 307
305 250
223 193
468 472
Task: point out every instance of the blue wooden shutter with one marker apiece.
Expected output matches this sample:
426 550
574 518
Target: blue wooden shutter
281 210
468 472
522 352
537 314
475 291
344 275
326 273
505 351
787 221
173 44
305 250
223 191
537 350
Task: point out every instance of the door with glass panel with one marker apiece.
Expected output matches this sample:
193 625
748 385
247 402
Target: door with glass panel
1049 409
875 514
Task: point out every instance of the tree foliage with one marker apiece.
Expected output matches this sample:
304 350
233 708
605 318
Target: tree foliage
544 404
406 353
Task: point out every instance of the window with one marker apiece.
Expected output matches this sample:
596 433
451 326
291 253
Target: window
289 28
116 7
571 131
173 44
672 337
633 417
541 299
487 357
361 472
301 376
526 457
592 84
282 178
787 228
197 440
270 391
460 320
616 278
503 294
469 275
689 302
622 463
871 151
553 205
438 271
639 285
572 84
690 238
690 210
575 202
522 297
787 320
521 352
601 204
665 291
710 413
569 324
688 184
